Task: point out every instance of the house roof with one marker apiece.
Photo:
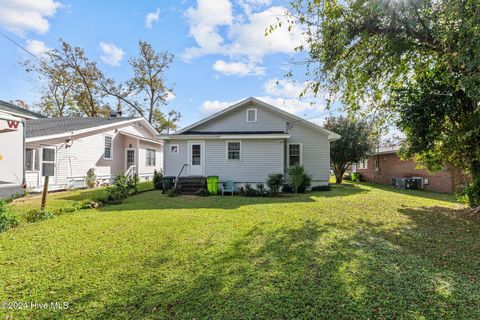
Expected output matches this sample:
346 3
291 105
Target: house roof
387 150
331 135
18 111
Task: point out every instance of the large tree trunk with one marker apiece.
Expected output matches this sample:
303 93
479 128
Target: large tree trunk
338 174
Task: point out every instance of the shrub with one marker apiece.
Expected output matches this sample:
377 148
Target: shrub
8 219
91 178
158 180
471 194
287 188
202 192
261 189
274 182
300 179
321 188
35 215
172 192
250 191
116 194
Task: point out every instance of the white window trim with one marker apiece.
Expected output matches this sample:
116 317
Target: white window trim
178 149
288 152
111 147
135 157
154 157
226 149
35 156
254 109
362 164
41 162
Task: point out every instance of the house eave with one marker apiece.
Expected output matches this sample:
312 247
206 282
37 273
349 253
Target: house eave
223 136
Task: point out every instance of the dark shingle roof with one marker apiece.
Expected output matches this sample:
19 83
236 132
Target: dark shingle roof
8 107
49 126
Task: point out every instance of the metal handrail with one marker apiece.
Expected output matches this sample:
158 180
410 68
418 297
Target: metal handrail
181 170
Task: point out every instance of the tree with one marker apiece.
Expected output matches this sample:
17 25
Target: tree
397 57
354 145
146 91
164 123
71 82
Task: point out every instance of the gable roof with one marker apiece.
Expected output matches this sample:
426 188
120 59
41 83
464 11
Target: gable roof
46 128
18 112
331 135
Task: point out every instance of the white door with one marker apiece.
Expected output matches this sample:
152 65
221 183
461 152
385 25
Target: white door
130 158
196 158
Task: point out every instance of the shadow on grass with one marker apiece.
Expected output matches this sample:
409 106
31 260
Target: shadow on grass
313 271
156 200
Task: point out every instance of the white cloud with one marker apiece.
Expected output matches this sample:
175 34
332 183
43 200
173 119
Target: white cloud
112 54
170 96
151 18
37 47
204 21
249 39
292 105
210 106
286 88
238 68
22 16
241 37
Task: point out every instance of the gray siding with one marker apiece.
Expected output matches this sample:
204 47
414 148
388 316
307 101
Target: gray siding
259 158
315 153
236 120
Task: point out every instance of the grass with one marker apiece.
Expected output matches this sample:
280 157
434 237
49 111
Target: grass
360 251
56 200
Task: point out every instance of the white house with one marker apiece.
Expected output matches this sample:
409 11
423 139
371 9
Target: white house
68 147
246 142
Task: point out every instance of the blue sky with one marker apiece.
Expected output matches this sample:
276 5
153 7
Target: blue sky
221 53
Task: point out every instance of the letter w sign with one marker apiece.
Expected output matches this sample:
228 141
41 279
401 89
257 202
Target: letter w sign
9 125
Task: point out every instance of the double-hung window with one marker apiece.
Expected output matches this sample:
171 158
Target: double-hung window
31 159
107 153
233 150
150 158
48 162
363 164
294 154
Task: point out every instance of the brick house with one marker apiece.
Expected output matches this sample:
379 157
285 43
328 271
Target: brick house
385 164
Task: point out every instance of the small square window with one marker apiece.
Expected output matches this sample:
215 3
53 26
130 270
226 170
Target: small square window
174 149
251 115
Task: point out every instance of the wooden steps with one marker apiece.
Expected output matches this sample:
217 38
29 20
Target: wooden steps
190 185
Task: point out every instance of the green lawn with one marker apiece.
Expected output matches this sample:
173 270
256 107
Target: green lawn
357 252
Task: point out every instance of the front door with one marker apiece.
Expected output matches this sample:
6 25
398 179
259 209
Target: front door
196 158
130 158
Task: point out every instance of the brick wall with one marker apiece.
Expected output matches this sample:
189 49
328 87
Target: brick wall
392 166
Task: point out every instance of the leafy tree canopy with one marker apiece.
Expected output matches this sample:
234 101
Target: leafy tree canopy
418 60
354 145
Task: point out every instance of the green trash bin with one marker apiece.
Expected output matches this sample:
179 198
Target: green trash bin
168 183
355 176
212 184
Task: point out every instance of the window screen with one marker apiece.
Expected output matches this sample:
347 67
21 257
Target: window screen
107 154
294 154
233 151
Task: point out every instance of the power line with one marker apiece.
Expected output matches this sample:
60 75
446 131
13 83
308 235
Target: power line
21 47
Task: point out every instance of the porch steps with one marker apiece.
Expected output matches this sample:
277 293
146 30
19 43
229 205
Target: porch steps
189 185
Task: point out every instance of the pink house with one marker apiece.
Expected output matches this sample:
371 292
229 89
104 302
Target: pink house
68 147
